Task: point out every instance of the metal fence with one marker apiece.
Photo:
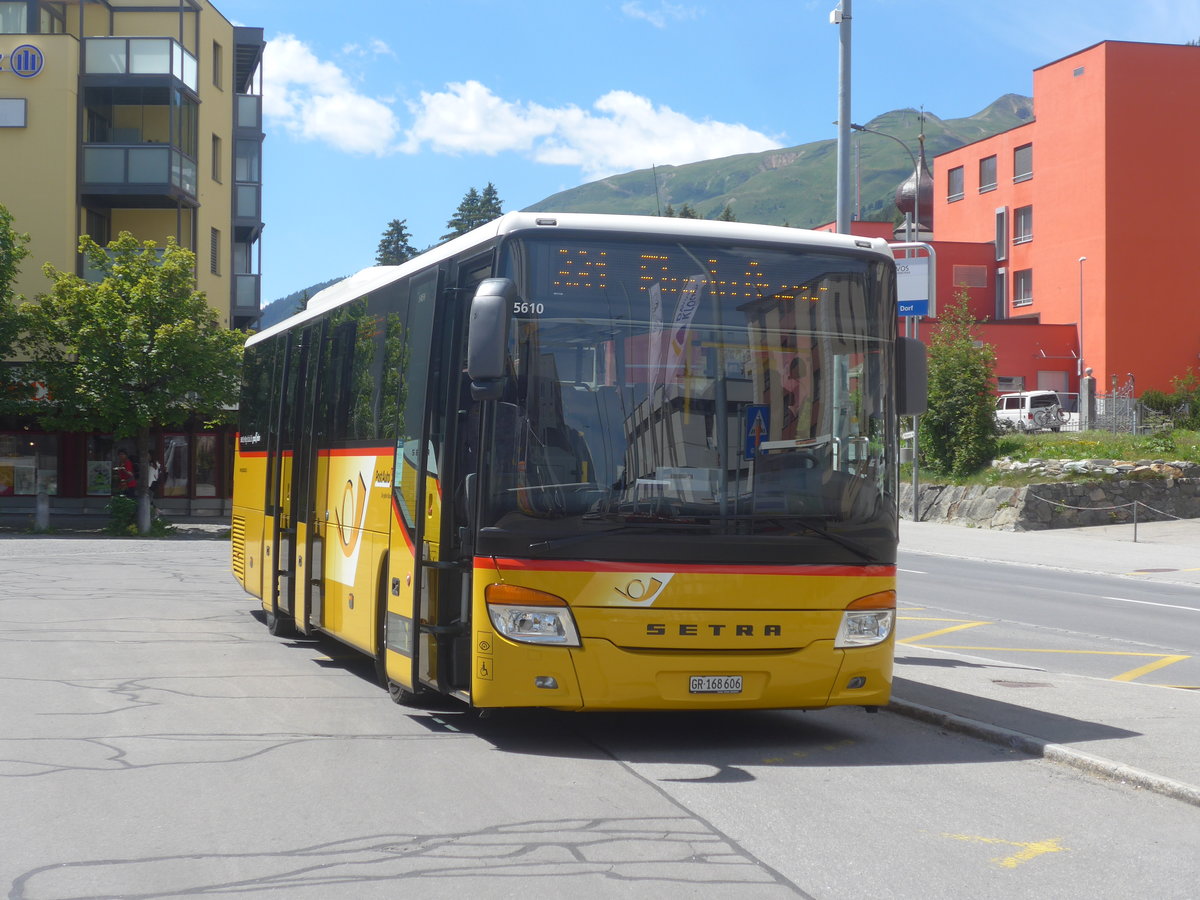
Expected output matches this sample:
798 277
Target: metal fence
1118 411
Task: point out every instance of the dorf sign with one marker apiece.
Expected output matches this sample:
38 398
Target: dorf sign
25 61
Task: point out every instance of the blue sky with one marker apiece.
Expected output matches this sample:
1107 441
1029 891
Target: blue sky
392 109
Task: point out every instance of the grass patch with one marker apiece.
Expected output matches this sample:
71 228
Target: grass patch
1169 446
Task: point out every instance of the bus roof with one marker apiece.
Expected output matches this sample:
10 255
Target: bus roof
375 277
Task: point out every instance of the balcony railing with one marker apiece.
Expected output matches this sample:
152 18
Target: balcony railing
140 165
139 56
91 273
246 290
249 111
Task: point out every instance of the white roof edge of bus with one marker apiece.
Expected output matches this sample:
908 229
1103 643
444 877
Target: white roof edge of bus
375 277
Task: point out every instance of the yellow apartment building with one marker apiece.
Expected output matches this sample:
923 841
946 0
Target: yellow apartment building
142 116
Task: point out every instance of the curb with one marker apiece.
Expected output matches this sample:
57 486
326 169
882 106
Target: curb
1077 759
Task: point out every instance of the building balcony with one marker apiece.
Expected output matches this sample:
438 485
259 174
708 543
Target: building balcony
138 56
138 176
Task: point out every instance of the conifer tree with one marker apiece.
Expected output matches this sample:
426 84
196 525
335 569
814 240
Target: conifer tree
395 247
475 209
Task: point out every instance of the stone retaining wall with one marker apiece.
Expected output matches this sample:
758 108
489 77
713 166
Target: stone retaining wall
1057 505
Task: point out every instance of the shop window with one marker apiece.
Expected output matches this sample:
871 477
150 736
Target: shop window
174 475
206 465
27 463
101 462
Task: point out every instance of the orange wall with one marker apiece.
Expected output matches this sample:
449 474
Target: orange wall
1113 144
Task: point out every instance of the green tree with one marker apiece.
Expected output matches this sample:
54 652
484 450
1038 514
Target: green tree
958 433
475 209
12 250
394 247
137 350
669 212
686 212
727 214
490 205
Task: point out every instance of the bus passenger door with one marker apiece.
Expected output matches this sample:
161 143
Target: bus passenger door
305 601
407 610
429 605
281 545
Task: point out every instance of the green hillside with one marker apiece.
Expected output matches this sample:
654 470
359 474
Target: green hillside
794 185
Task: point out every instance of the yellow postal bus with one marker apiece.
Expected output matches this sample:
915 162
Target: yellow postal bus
589 462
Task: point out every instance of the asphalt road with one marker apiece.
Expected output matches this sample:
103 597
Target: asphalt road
1099 625
157 742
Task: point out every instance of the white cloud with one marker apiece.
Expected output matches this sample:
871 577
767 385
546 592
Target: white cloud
315 100
658 17
622 131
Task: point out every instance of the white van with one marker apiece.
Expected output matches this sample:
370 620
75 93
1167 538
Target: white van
1031 411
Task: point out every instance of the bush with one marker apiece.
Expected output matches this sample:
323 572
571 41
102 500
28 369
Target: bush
958 433
1182 405
123 521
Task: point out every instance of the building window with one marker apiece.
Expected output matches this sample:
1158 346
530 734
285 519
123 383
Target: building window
217 62
99 226
987 174
216 158
1023 163
1001 233
1001 294
214 249
12 112
954 184
13 18
28 462
1023 287
970 276
1010 384
1023 225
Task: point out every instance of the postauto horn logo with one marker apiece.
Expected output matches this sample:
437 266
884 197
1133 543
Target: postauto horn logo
24 62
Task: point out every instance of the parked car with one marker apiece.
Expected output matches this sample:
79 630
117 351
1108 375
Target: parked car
1031 411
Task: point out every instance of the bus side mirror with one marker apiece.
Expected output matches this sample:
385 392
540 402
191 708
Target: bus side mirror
912 377
487 337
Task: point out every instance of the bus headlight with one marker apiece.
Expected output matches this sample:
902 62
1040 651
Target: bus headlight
867 621
532 617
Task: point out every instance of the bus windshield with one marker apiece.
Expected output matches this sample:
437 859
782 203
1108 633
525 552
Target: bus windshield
663 390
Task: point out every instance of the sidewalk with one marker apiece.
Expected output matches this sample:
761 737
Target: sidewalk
1139 734
94 525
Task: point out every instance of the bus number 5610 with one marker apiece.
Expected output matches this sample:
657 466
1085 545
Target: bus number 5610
526 308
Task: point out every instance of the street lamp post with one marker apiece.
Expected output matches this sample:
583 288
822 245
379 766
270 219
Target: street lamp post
909 321
916 214
1079 362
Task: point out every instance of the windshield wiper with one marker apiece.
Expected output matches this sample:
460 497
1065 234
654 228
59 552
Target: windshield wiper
821 531
552 543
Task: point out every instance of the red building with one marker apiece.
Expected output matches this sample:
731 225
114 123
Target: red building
1087 235
1062 232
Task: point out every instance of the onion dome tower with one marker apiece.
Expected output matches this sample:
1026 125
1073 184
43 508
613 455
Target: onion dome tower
908 194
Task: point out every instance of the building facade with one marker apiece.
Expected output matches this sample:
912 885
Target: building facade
142 116
1087 233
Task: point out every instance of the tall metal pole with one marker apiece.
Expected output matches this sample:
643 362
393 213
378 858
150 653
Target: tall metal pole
1079 362
841 18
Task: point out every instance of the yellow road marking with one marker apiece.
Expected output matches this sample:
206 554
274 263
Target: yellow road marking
1028 849
1133 674
929 634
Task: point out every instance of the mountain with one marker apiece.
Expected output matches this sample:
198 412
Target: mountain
278 310
795 185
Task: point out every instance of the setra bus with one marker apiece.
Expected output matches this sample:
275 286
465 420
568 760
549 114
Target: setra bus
589 462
